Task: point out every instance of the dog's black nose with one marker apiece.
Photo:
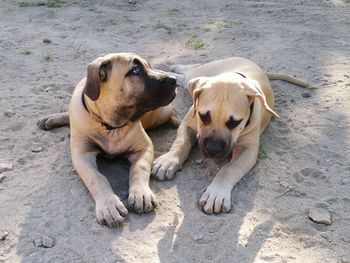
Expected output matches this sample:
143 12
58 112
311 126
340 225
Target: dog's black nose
170 82
214 148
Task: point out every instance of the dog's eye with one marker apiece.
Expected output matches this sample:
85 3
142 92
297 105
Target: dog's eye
136 69
205 118
232 123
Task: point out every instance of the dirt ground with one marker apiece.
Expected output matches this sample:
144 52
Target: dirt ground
303 163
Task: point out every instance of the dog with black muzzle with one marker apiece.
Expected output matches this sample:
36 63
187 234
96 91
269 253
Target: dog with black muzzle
232 105
110 109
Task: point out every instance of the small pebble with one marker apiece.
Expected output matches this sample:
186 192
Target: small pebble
284 184
197 237
345 181
48 241
48 89
306 95
346 239
3 235
47 41
9 113
320 215
344 259
36 147
311 172
4 167
199 161
38 242
2 177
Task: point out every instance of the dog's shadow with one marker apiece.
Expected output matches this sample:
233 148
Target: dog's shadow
116 170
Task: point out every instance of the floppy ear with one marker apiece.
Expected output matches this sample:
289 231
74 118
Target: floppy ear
195 92
253 88
96 73
192 84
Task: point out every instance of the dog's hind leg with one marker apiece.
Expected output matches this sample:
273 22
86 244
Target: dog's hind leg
291 79
53 121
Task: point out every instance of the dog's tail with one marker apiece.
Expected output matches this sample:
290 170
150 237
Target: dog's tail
290 79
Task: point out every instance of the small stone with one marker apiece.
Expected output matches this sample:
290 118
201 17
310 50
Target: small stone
306 95
284 184
9 113
345 181
199 161
320 215
48 89
346 239
3 235
38 242
197 237
36 147
344 259
4 167
132 2
47 41
48 242
311 172
2 177
21 161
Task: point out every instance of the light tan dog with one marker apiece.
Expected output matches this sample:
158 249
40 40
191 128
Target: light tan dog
121 96
232 105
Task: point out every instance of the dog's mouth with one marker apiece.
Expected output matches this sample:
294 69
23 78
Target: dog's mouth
214 149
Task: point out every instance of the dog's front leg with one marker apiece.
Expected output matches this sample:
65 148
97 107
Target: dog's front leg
217 196
165 167
141 198
109 209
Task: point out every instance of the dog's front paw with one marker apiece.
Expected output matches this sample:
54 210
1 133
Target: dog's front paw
46 123
110 211
216 199
141 199
165 167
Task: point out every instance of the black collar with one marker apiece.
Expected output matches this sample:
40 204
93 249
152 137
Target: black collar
97 118
251 105
250 115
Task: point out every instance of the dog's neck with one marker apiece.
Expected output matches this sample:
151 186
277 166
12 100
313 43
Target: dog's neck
97 118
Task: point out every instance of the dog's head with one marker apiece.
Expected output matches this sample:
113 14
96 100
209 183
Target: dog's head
222 107
122 87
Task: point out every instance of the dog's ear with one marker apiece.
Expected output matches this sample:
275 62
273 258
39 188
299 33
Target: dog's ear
195 91
97 72
192 84
253 88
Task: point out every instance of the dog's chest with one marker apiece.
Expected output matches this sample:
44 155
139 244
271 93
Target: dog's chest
111 142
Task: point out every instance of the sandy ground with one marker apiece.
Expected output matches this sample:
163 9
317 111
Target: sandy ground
303 163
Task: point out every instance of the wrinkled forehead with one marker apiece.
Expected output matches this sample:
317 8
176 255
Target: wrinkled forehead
125 58
223 99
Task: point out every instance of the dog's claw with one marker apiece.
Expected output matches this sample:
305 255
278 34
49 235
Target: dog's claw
110 211
142 200
165 167
216 199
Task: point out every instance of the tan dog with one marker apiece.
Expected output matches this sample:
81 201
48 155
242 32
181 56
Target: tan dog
232 105
104 114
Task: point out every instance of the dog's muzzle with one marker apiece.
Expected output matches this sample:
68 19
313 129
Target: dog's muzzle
170 82
214 148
